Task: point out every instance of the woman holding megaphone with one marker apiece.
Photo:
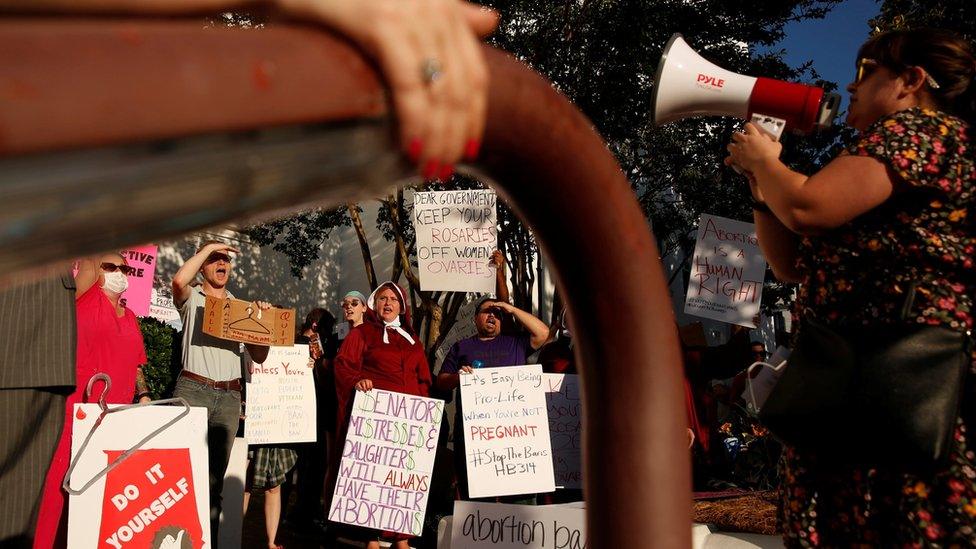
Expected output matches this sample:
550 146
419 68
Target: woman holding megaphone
873 402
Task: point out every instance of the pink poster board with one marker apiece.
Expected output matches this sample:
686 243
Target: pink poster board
139 294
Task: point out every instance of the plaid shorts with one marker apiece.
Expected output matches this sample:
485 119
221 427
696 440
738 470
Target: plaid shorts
269 465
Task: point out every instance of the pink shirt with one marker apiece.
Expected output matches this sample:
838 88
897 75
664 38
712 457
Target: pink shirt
109 344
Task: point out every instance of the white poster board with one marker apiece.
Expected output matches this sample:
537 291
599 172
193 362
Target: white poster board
232 497
162 308
161 492
456 235
727 272
387 462
498 525
506 432
565 410
281 398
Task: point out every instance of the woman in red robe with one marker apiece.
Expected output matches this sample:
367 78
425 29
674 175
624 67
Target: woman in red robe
381 353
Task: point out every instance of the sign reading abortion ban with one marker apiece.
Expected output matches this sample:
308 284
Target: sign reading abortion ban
565 410
727 272
281 398
499 525
387 462
456 234
157 497
506 432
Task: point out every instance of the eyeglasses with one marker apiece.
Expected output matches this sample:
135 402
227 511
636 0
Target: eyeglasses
112 267
865 66
351 303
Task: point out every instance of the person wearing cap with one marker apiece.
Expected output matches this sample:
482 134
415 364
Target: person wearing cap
353 309
489 348
212 367
381 353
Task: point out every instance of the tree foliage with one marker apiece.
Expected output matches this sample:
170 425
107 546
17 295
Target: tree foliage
955 15
603 54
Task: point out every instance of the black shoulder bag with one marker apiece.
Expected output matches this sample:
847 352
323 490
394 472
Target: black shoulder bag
871 395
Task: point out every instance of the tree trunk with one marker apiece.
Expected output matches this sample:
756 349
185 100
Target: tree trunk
357 222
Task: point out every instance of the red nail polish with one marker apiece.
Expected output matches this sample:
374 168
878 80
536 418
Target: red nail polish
430 169
414 149
471 149
447 170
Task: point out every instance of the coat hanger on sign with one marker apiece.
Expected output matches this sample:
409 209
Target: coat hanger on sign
250 324
66 484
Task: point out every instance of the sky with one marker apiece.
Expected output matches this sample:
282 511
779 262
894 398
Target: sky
832 42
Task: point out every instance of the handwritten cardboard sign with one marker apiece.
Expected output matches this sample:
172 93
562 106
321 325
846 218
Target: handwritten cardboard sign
565 410
242 321
727 272
498 525
506 432
387 462
281 398
157 497
456 234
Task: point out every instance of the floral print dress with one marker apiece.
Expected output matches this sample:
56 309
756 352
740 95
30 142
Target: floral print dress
908 260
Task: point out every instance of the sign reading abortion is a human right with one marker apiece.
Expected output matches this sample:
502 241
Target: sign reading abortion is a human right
456 234
506 432
727 272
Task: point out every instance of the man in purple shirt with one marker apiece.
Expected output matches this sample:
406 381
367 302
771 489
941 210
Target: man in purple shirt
489 349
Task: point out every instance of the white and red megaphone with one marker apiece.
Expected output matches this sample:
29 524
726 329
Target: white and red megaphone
688 85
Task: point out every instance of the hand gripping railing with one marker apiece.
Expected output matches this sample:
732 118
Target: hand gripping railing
115 132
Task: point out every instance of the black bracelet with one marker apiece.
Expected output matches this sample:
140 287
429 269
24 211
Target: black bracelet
145 394
760 206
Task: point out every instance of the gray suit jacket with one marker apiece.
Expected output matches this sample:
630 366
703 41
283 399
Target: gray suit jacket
38 333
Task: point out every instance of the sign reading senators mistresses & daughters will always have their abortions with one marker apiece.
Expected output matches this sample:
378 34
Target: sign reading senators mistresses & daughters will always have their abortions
387 462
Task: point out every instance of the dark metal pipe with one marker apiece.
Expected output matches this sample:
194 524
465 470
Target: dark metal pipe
117 132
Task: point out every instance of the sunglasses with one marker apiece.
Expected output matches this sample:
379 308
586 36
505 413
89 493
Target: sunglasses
112 267
865 66
496 311
213 258
351 303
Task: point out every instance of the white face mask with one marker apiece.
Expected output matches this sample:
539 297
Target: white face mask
115 282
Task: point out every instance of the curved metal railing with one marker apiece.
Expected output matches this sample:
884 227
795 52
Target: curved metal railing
114 132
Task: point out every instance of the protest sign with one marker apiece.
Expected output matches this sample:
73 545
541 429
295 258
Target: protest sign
232 497
565 410
157 497
456 235
762 378
242 321
500 525
727 272
387 462
463 328
281 398
506 432
162 308
139 293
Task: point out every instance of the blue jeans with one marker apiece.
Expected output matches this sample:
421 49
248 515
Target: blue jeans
223 416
